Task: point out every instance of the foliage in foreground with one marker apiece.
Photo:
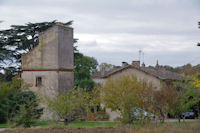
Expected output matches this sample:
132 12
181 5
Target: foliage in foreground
26 110
71 105
188 96
186 99
7 89
126 94
18 105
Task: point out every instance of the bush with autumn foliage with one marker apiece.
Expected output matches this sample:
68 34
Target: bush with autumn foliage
128 93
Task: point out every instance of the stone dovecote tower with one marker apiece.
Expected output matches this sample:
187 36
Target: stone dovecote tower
48 68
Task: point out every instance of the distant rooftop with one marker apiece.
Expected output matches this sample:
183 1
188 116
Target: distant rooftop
160 73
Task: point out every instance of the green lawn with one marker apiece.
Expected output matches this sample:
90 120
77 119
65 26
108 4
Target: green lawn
46 124
91 124
3 125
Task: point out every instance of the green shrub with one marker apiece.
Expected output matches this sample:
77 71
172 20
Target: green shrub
103 116
102 109
26 115
85 83
83 118
99 117
4 107
25 111
6 104
15 102
106 116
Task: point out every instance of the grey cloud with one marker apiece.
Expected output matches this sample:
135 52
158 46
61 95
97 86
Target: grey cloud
164 58
116 30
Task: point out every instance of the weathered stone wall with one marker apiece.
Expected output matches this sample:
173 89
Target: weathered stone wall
49 88
65 81
100 80
65 48
55 50
131 71
139 74
45 55
65 58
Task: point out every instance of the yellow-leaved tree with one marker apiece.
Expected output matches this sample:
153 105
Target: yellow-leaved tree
71 104
196 80
125 94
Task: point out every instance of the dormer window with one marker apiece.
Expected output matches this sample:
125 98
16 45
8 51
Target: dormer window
38 81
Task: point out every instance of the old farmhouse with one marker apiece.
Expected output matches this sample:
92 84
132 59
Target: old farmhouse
155 76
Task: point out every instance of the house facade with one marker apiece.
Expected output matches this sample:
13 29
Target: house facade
154 76
48 68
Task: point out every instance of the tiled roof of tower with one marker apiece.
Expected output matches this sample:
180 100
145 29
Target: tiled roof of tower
158 73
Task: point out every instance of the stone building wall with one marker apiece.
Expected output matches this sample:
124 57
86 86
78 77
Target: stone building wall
139 74
131 71
45 55
53 61
49 88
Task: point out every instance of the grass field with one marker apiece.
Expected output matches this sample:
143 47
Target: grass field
48 124
91 124
109 127
3 125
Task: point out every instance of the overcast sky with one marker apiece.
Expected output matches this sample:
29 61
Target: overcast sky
113 31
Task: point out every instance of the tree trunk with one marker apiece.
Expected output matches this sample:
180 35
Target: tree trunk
66 122
162 116
179 119
95 112
163 119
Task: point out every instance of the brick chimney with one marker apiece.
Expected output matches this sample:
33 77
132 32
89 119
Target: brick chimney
136 64
124 64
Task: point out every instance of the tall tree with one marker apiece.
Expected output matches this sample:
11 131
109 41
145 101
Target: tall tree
20 39
84 66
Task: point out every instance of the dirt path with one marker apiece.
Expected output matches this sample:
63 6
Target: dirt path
2 129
